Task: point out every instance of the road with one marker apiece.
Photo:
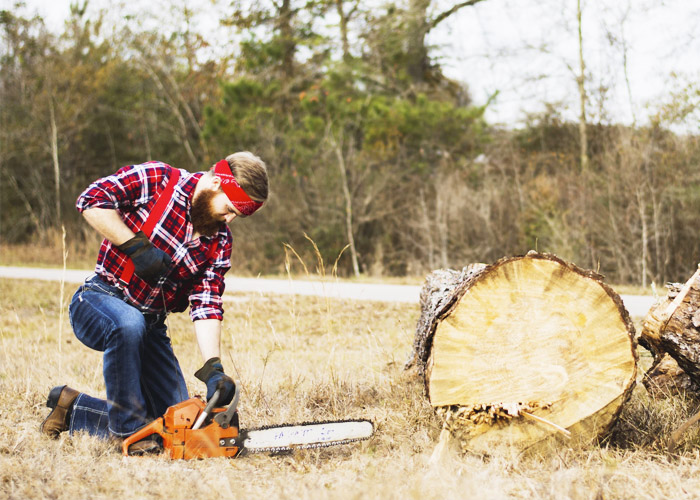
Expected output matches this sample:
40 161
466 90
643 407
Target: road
637 305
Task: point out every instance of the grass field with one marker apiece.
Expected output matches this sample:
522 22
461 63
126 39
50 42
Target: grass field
299 360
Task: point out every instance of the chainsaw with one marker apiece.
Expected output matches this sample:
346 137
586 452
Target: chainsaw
191 429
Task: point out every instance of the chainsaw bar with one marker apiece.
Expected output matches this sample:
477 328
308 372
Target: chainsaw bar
288 437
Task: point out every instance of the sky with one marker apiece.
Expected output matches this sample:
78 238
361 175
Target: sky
527 52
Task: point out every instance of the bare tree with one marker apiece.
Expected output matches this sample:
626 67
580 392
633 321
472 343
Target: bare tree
337 145
420 23
582 126
56 166
346 17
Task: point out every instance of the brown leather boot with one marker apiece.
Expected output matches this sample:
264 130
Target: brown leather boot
61 399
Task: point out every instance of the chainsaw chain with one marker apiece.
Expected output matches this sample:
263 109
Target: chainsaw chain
285 449
309 422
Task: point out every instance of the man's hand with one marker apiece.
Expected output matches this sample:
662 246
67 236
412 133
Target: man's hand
212 374
150 263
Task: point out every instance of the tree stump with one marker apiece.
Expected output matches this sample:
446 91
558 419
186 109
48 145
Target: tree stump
671 331
523 352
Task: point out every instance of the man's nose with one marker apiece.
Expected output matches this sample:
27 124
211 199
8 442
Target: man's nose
229 217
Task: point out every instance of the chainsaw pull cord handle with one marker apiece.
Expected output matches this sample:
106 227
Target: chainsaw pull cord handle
224 418
155 427
207 409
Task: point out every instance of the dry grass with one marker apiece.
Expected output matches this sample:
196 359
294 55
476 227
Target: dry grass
48 251
298 360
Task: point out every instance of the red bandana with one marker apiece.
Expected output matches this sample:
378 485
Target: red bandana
234 191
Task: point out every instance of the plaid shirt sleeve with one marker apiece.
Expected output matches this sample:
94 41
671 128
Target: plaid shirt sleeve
205 298
129 187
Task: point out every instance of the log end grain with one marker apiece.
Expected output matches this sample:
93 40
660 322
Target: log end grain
531 332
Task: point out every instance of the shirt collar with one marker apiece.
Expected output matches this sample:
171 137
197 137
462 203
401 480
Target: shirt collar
185 188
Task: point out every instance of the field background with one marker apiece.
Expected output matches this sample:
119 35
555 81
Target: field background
302 359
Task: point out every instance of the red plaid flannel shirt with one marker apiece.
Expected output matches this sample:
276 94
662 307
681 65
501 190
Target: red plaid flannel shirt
193 276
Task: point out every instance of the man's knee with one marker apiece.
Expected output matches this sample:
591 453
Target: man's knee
129 328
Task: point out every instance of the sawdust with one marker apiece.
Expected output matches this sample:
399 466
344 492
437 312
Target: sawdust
462 417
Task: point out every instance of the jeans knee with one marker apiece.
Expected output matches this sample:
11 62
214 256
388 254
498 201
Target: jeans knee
130 329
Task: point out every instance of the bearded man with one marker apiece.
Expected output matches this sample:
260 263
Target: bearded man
167 245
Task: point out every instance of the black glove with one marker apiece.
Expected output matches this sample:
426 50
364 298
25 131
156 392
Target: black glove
150 263
212 374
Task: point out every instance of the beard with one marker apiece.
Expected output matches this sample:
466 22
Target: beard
202 215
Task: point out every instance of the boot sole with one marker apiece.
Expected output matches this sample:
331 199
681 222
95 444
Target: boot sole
52 401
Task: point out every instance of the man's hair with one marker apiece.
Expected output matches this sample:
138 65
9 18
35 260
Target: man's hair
250 173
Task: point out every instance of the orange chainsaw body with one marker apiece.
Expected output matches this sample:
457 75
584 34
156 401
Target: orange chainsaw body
180 441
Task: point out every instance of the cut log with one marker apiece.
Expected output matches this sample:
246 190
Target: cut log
671 331
665 378
524 352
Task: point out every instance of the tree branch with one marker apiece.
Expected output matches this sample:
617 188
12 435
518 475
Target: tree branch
444 15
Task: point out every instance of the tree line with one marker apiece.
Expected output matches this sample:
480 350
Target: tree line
378 162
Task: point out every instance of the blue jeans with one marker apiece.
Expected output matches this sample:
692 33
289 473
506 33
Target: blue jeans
142 375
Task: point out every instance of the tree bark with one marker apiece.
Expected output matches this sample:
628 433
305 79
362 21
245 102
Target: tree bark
671 331
523 351
419 24
283 25
345 18
641 204
347 196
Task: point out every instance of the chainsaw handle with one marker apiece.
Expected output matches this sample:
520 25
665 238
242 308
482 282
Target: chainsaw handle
207 410
224 418
155 427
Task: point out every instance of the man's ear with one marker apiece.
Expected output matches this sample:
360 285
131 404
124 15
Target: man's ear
215 182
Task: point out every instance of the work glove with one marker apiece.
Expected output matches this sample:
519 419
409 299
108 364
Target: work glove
150 263
212 374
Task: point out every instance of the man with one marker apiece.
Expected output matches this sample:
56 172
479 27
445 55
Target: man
138 280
